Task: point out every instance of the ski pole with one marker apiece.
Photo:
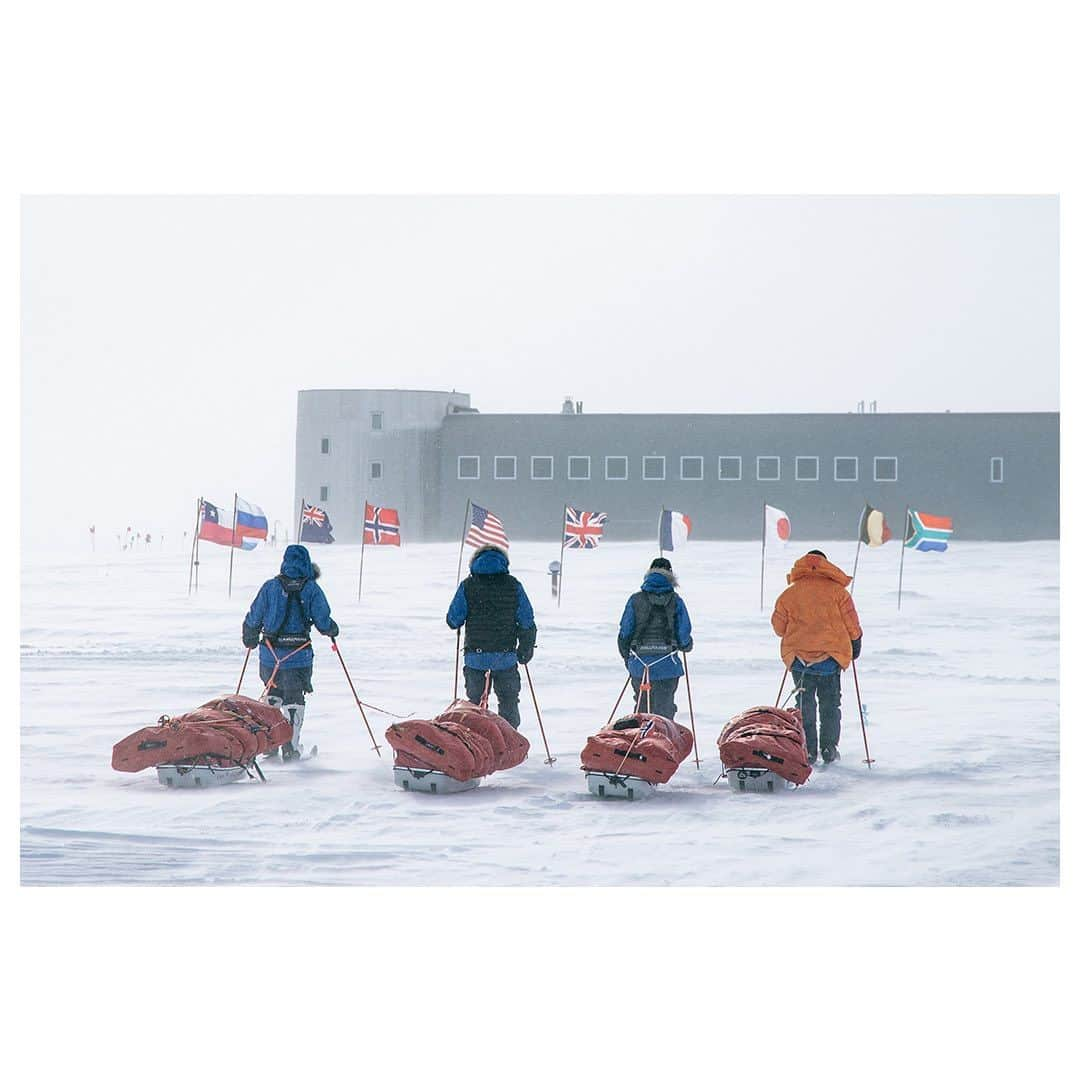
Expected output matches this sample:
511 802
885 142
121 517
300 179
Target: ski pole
690 702
862 720
457 661
549 760
243 671
359 704
620 697
779 693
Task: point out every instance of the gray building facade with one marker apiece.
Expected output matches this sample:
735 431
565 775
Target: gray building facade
995 474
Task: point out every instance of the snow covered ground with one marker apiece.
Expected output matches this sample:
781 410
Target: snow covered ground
962 689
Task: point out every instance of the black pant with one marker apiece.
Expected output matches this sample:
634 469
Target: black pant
819 692
507 687
290 684
661 697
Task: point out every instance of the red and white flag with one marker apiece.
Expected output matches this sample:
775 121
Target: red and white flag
777 527
381 525
583 528
485 528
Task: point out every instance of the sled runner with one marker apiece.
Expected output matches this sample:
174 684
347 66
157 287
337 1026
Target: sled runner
214 744
458 747
766 744
642 747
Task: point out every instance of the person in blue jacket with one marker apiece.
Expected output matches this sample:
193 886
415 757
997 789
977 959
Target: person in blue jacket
500 631
655 628
279 622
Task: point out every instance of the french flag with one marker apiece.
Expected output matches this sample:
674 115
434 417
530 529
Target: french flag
250 521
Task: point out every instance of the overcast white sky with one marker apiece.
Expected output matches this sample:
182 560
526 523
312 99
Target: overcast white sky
164 339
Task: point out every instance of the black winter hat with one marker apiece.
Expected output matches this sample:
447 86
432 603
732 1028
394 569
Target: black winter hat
660 564
816 552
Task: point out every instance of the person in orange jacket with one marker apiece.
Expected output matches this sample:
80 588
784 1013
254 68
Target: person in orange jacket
820 635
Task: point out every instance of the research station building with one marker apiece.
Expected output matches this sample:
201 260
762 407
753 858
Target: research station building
427 452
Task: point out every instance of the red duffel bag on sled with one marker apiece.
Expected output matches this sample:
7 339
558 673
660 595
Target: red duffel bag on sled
620 748
766 738
226 731
466 742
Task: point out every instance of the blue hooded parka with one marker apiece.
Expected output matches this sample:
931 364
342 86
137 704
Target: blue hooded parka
670 667
272 613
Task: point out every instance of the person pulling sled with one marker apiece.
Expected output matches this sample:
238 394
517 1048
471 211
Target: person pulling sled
654 629
500 630
279 622
819 631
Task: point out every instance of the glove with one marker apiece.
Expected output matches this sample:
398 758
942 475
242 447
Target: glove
526 645
624 648
251 636
333 632
856 648
688 647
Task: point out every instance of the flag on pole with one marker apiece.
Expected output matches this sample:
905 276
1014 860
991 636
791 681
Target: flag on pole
315 527
485 528
872 528
211 529
381 525
927 532
250 520
583 528
777 527
674 530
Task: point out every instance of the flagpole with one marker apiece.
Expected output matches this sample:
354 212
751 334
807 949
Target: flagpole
232 545
763 505
300 520
903 548
464 530
363 544
193 563
858 548
660 531
562 555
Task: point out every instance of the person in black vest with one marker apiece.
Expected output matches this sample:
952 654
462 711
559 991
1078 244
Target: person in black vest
283 612
500 631
655 627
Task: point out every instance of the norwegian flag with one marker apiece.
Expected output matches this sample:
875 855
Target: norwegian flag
645 728
485 528
315 527
381 525
583 528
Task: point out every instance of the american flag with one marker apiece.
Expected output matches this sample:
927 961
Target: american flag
583 528
485 528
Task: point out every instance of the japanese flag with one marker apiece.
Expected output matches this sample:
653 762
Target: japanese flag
777 527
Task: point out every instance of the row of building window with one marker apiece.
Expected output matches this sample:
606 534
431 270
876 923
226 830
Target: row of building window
376 425
654 467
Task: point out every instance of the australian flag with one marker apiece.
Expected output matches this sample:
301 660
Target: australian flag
315 527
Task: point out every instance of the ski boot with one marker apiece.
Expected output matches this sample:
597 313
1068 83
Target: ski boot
829 754
293 750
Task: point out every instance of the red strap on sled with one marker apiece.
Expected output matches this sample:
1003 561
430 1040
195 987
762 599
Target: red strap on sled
487 690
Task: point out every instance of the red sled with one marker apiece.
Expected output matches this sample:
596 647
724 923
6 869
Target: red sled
619 749
765 737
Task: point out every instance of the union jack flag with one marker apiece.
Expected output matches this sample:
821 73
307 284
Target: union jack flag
381 525
583 528
645 728
315 527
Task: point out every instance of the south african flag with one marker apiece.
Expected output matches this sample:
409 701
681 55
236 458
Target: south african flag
927 532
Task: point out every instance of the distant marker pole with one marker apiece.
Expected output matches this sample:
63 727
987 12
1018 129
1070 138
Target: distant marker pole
194 563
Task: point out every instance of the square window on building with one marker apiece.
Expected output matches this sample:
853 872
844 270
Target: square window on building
885 468
376 421
653 468
578 468
324 494
468 467
326 446
505 467
375 470
617 468
543 468
692 468
845 468
806 468
997 470
768 468
731 468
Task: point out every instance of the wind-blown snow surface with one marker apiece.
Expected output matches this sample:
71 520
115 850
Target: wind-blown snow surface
961 686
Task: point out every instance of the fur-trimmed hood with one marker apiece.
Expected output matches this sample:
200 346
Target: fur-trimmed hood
660 581
490 559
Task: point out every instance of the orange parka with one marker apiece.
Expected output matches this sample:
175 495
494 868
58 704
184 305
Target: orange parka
815 616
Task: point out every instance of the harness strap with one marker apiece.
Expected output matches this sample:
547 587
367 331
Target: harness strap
278 661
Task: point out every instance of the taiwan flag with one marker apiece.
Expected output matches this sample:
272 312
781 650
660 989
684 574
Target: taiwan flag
381 525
